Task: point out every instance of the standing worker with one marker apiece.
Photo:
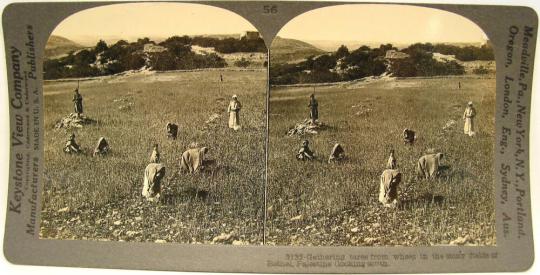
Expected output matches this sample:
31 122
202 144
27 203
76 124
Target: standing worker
77 102
234 113
468 117
313 109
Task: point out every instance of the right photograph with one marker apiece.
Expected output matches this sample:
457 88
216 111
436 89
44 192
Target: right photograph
381 129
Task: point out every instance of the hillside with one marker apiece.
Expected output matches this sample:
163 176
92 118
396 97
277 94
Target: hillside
174 53
285 50
58 46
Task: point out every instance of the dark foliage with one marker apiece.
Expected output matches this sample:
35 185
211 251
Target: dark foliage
123 56
345 65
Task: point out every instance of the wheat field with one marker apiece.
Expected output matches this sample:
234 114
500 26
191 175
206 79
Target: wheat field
316 203
310 203
99 198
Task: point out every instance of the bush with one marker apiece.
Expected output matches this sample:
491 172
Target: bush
243 63
481 70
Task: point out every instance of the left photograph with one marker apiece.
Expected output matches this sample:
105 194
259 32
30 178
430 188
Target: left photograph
155 122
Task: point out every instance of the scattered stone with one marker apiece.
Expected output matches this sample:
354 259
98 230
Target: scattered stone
240 243
460 240
62 210
160 241
306 127
126 107
117 223
223 237
354 230
73 121
370 241
212 118
449 125
132 234
297 218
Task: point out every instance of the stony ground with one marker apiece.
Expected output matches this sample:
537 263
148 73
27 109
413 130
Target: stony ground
99 198
316 203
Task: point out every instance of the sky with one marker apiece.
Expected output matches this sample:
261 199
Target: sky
137 20
382 23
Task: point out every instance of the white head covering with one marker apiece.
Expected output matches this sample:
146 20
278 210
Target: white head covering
234 96
470 103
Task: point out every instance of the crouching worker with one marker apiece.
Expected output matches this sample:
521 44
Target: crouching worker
428 165
155 156
153 174
392 162
172 131
409 136
192 160
71 146
388 194
305 153
337 153
102 147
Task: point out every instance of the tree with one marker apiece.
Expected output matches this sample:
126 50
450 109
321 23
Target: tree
101 46
342 51
242 63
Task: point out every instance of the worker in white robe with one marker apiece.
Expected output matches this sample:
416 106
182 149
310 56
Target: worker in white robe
155 157
468 117
388 193
102 147
192 160
337 153
392 162
428 165
234 113
153 174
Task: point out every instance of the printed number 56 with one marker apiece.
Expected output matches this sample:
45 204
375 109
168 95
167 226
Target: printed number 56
270 9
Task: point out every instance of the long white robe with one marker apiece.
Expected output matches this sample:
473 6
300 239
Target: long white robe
390 179
468 116
153 174
234 114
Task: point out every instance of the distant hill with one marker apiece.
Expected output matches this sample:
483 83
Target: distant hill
58 46
286 50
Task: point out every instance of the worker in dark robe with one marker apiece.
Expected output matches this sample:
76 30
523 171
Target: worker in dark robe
102 147
153 174
71 146
337 153
77 102
305 153
409 136
313 109
172 131
155 157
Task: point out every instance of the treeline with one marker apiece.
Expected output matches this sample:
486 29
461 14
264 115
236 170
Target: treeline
345 65
339 66
122 56
230 45
467 53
